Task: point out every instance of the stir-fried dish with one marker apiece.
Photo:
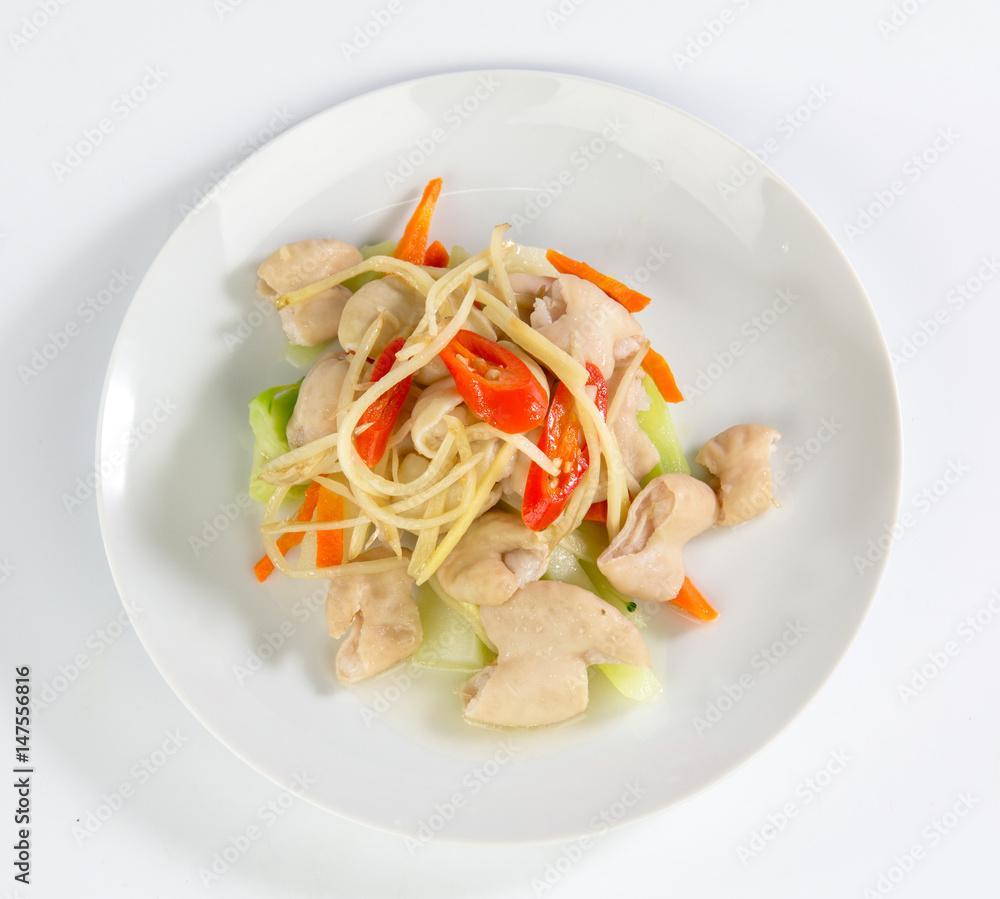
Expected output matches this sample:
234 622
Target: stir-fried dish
483 464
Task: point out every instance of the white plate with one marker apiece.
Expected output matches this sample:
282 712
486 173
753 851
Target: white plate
639 190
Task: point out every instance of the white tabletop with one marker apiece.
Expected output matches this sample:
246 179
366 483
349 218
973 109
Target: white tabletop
882 116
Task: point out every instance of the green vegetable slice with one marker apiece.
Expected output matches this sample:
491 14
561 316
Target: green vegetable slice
466 610
270 411
632 681
659 427
385 248
449 639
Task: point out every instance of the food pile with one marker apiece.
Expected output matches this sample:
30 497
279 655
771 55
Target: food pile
484 466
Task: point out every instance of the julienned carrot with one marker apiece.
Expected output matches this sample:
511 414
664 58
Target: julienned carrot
654 365
436 255
329 541
629 298
265 566
597 512
691 601
413 244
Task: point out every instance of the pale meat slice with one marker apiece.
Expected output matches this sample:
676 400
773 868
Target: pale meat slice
298 264
495 556
547 634
739 458
581 319
638 452
528 288
402 305
382 615
530 285
644 559
428 427
315 412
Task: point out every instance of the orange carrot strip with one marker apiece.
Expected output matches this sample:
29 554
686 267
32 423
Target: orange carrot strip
436 255
654 365
265 566
630 299
597 512
413 244
329 541
691 601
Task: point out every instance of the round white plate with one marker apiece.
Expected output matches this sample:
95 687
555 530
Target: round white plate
762 320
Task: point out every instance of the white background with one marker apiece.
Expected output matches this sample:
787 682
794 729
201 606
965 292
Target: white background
893 78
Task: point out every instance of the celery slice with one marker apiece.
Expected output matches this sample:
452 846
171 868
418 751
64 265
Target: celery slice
457 256
632 681
269 414
636 683
588 541
659 427
583 547
305 357
466 610
449 639
565 567
385 248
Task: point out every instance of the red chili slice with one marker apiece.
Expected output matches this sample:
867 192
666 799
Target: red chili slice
545 495
382 414
495 383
